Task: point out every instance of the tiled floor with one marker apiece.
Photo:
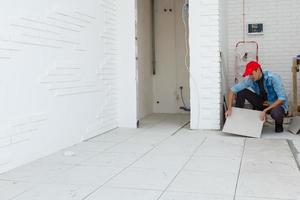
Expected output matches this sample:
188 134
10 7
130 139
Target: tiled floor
153 163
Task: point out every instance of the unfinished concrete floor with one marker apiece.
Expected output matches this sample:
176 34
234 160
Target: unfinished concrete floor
162 161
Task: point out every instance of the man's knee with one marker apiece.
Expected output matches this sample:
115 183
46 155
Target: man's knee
277 113
243 93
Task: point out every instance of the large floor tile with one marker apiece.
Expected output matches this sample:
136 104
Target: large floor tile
67 158
138 178
218 183
148 139
221 147
185 139
269 185
86 175
91 147
286 167
57 192
174 149
117 135
253 198
110 159
108 193
131 148
152 161
34 172
11 189
224 152
193 196
244 122
214 164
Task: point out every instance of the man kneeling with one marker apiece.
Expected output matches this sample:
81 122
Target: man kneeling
269 94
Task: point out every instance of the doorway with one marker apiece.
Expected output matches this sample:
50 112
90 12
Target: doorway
162 57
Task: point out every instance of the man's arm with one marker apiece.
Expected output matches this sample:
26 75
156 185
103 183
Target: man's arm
280 92
230 96
234 90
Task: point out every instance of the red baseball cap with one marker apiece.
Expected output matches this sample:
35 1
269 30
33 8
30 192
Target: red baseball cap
250 67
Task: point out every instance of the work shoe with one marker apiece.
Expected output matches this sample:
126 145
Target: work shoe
278 128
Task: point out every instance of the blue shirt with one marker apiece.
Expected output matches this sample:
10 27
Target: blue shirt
272 84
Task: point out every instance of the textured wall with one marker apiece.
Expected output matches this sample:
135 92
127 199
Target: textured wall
280 42
205 67
58 75
145 58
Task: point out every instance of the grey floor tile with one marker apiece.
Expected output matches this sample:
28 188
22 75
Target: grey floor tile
193 196
57 192
213 183
107 193
269 185
138 178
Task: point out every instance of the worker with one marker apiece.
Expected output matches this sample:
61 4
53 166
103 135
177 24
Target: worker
267 94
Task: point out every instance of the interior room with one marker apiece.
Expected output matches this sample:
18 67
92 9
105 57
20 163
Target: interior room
162 57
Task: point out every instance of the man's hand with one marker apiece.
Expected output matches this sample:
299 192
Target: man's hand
263 116
228 112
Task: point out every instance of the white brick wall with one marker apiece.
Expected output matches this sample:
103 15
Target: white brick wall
59 74
204 64
280 41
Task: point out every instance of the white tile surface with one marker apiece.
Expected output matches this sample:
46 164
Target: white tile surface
266 172
218 183
34 173
174 149
151 161
294 127
107 193
220 150
57 192
244 122
266 149
214 164
11 189
269 185
131 148
268 166
91 147
63 159
113 159
253 198
148 139
117 135
221 147
193 196
138 178
86 175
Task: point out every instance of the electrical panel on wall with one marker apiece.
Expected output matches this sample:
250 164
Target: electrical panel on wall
256 29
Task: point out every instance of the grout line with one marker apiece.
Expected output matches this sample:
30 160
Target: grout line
294 152
238 177
194 152
88 195
184 125
267 198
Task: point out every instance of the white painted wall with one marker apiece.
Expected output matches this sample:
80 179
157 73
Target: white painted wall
224 53
127 64
145 58
59 74
280 42
204 64
171 72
